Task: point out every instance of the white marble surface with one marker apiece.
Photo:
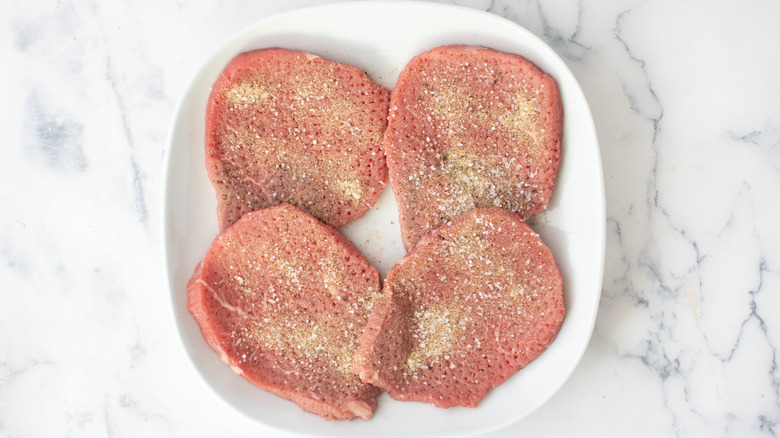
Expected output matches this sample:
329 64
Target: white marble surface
684 94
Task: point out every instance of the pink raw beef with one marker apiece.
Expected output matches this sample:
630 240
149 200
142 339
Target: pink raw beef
473 303
284 126
471 127
283 299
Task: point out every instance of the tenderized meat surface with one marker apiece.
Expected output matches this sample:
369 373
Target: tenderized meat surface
471 127
473 303
283 300
284 126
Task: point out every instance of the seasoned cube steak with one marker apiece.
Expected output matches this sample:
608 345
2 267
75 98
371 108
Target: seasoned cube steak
474 302
284 126
471 127
283 300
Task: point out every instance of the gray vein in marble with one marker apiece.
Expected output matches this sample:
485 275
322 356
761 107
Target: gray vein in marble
493 9
9 374
633 99
612 222
622 279
694 270
654 115
566 45
767 140
654 353
670 364
756 316
767 425
138 189
754 313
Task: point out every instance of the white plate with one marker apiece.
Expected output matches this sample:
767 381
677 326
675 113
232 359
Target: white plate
381 37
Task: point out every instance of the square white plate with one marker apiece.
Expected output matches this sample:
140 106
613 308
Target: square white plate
380 38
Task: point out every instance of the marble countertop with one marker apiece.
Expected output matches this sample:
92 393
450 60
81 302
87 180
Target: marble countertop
684 97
